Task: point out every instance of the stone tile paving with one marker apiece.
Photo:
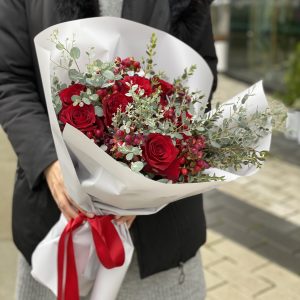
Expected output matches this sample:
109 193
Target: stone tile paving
8 252
253 247
252 251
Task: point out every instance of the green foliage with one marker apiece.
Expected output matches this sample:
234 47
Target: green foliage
291 96
150 54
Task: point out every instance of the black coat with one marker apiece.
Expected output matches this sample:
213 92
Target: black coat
162 240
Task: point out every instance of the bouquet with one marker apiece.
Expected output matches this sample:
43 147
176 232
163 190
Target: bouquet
151 125
132 135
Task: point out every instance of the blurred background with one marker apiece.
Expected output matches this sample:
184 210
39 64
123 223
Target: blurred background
253 246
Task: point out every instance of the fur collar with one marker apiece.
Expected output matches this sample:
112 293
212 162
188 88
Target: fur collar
77 9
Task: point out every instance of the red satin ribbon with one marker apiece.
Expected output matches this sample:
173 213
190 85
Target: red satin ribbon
108 245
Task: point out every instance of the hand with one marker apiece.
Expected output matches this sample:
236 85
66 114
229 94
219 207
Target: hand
125 219
56 185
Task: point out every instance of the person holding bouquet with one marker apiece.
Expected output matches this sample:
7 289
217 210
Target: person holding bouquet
165 265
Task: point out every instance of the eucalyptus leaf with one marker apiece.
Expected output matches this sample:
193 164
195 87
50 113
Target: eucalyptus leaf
75 98
245 98
129 156
86 101
60 46
75 75
163 180
107 84
177 135
108 75
98 111
137 166
136 151
75 52
94 97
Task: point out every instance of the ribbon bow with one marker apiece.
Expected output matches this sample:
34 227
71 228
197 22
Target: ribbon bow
108 245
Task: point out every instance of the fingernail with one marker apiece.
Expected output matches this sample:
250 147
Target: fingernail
90 215
117 217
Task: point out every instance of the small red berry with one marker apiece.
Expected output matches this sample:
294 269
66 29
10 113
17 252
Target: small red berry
184 171
98 133
182 160
120 133
197 169
89 134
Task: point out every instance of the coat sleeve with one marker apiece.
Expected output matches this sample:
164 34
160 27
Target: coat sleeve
22 114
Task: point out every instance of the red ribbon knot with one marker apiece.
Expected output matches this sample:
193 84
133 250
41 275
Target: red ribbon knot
108 245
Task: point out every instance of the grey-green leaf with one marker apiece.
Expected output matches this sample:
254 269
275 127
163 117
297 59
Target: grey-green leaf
129 156
75 52
86 101
98 111
94 97
137 166
108 75
75 75
75 98
60 46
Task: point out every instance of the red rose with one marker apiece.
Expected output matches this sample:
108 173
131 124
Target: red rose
160 153
173 171
66 94
142 82
166 87
111 103
166 90
82 118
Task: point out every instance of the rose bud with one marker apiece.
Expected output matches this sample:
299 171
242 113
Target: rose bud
126 62
136 65
128 139
200 154
136 141
118 60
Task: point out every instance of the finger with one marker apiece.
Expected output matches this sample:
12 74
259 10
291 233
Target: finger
78 208
120 220
130 222
66 208
123 219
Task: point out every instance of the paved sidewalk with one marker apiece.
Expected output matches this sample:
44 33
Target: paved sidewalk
253 247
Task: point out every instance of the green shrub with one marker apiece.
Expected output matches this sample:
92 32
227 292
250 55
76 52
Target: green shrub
291 95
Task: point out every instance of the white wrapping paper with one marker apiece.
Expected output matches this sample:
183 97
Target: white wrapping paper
93 179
